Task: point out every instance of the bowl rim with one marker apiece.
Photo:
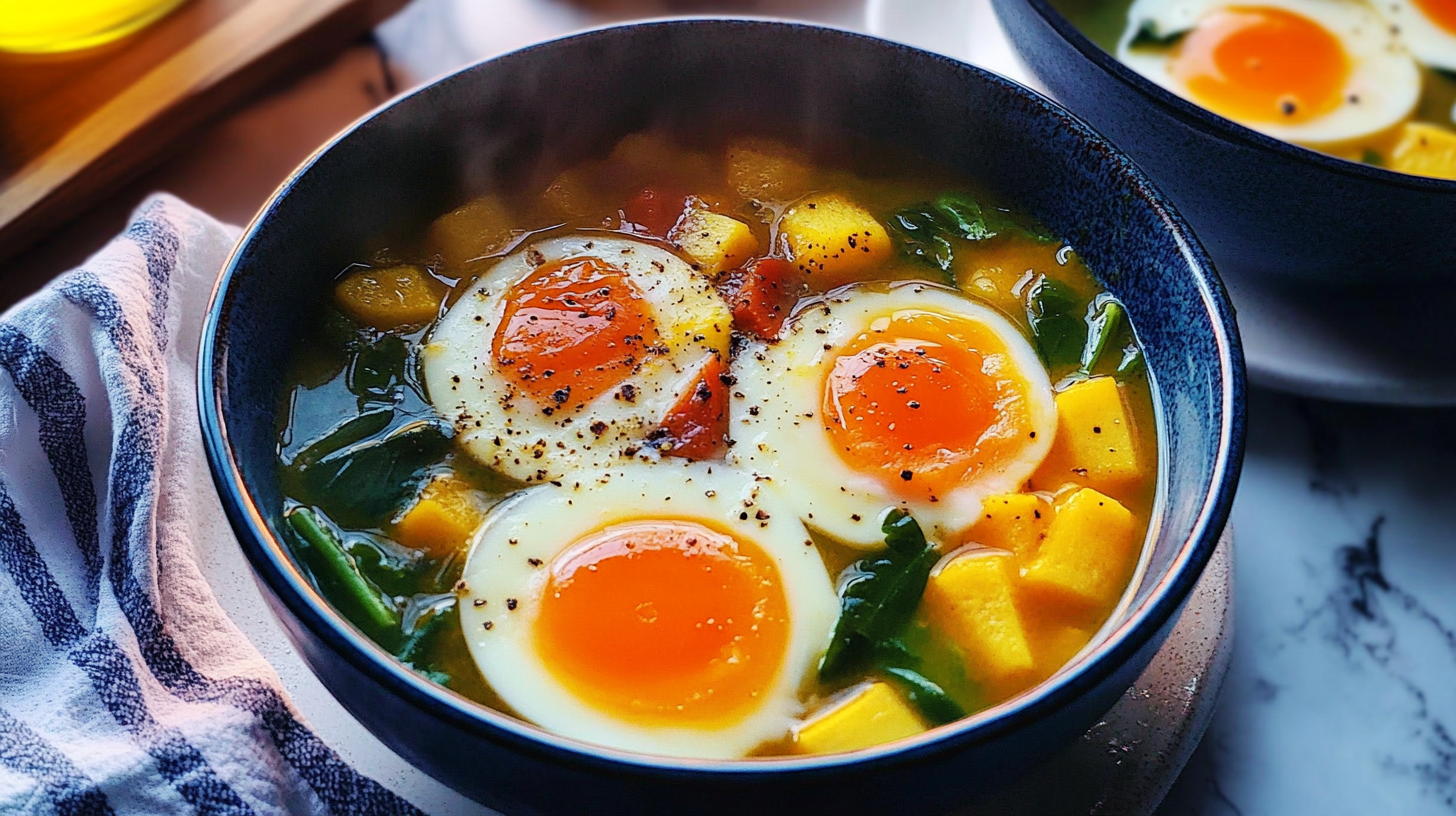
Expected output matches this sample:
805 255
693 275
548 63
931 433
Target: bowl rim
1220 127
276 569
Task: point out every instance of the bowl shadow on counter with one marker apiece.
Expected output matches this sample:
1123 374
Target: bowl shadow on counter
510 121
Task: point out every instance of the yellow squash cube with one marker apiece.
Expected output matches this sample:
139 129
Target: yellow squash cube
442 520
468 232
869 716
971 600
716 243
1089 551
833 239
1015 522
763 170
1094 446
391 297
1054 645
1425 150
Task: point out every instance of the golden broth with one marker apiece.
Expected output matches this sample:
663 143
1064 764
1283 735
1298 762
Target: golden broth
329 386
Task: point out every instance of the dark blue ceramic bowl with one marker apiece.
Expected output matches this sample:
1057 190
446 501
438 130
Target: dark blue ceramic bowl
1266 209
558 102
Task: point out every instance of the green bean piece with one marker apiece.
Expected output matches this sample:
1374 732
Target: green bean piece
338 568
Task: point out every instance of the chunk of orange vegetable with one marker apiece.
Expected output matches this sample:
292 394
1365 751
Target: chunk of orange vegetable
391 297
716 243
1089 552
834 240
869 715
1425 150
443 519
697 426
764 170
1094 446
1015 522
761 294
971 599
469 232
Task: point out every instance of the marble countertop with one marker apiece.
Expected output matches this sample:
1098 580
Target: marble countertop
1341 697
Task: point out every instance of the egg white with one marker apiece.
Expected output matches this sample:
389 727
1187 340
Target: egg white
507 431
1383 89
541 522
1430 43
774 416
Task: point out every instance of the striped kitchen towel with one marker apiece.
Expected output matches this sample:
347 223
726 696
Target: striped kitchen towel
124 688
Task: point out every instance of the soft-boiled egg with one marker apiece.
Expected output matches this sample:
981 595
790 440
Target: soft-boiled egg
672 608
1315 72
570 353
1428 28
908 395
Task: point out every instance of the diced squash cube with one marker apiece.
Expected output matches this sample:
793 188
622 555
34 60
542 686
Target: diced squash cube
1094 446
443 519
764 170
1425 150
872 715
1088 553
834 240
391 297
971 600
1054 645
470 231
716 243
1015 522
573 194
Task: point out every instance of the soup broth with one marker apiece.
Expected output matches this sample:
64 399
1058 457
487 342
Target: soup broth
722 449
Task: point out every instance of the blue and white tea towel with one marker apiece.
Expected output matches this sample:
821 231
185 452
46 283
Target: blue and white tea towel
124 688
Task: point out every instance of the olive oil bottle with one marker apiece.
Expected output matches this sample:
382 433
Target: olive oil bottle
52 26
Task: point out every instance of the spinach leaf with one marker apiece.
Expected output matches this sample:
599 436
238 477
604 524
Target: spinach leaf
962 216
1147 36
389 566
376 370
1105 320
1371 157
1054 313
922 238
359 477
926 695
1131 363
881 594
903 663
338 576
415 646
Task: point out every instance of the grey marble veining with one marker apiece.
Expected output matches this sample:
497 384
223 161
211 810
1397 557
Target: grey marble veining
1342 693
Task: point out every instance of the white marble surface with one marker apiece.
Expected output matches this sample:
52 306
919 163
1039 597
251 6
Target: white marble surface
1341 698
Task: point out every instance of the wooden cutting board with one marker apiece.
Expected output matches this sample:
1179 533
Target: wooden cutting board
74 127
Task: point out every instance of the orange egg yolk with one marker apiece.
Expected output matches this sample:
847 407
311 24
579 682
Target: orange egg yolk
572 330
926 402
664 621
1440 12
1262 64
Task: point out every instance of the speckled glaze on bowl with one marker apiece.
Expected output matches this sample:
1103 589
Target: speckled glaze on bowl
557 102
1265 209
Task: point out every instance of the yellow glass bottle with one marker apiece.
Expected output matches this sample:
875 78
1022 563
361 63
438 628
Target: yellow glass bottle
50 26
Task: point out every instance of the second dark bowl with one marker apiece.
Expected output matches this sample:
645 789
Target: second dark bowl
1265 209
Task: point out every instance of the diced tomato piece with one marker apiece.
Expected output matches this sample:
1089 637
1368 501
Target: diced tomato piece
697 426
654 211
761 294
